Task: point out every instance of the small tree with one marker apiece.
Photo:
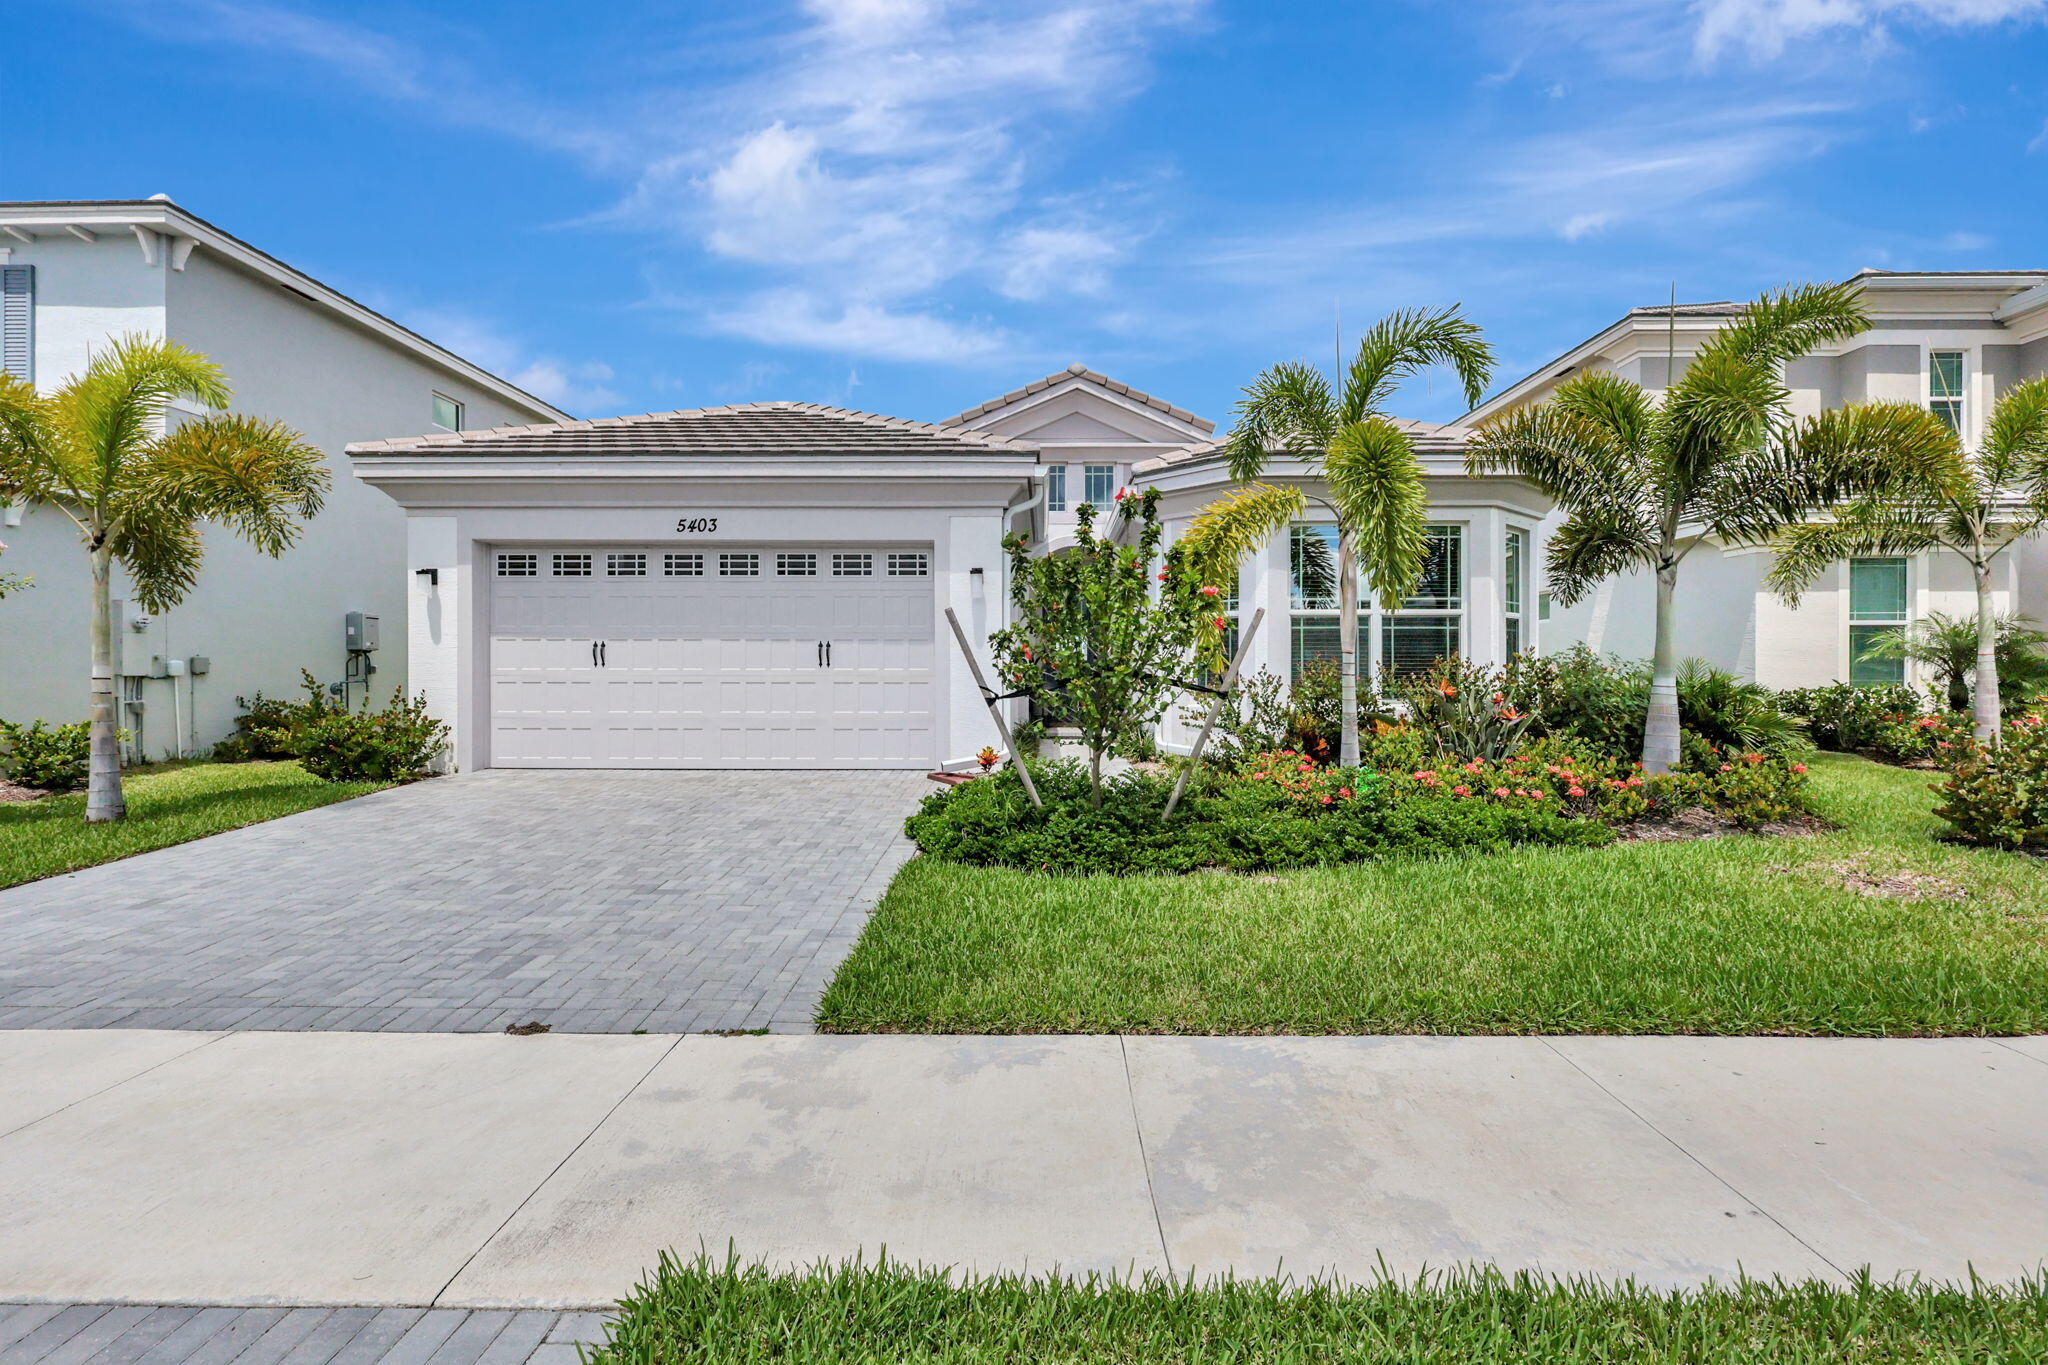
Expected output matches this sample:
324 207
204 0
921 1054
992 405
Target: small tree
1946 646
1104 631
1978 507
100 451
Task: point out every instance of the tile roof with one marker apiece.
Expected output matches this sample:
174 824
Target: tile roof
736 429
1429 438
1079 371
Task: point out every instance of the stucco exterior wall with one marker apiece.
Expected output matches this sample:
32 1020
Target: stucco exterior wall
258 620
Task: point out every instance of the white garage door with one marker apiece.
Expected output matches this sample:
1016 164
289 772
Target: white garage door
752 656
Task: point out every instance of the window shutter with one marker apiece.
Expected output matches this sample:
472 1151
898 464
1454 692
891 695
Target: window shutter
18 321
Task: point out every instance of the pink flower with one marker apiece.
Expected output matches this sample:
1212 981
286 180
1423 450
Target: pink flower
1500 791
1798 767
1540 796
1210 590
1727 767
1120 494
1461 790
1574 791
1344 792
1326 800
1473 766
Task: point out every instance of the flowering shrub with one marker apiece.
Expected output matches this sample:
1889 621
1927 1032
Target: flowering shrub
1467 712
1996 794
1894 724
396 744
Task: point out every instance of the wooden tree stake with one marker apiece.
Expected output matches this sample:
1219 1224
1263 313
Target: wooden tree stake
995 710
1215 709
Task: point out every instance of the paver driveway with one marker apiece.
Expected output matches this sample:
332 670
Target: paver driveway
595 902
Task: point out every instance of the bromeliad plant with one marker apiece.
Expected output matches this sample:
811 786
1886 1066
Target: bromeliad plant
1645 481
1106 631
101 450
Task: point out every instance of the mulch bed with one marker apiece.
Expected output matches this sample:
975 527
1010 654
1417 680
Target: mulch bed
1695 823
10 791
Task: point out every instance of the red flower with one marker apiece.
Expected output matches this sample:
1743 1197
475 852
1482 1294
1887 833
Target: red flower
1162 575
1574 791
1209 590
1326 800
1446 689
1500 791
1344 791
1461 790
1222 623
1798 767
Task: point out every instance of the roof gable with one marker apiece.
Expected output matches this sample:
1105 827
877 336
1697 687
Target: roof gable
1170 425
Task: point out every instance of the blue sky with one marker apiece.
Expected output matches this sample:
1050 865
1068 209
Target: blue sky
910 205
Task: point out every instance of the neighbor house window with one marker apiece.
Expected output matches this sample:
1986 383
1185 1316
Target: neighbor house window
1945 387
1055 488
1098 484
1514 587
447 412
1877 603
1426 627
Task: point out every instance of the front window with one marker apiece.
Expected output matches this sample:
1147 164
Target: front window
1514 574
447 413
1428 626
1877 603
1945 388
1099 484
1055 488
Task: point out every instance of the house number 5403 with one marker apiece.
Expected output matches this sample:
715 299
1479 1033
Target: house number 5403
696 526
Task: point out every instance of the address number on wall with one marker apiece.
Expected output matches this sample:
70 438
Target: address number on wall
696 526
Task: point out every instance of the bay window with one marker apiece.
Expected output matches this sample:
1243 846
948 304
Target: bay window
1514 588
1427 626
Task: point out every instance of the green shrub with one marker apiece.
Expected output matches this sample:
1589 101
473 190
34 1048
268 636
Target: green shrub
1996 794
1466 711
265 721
1894 724
51 758
396 744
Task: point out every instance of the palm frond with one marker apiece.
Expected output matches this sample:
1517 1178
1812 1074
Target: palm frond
1233 527
118 402
2013 455
1596 542
33 448
162 556
1288 408
1575 458
257 477
1723 406
1806 551
1617 406
1376 485
1413 339
1787 323
1899 454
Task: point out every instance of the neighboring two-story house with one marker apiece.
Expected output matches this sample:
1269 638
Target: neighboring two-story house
1953 341
74 275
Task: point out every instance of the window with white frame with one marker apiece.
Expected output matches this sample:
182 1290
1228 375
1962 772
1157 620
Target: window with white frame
1098 484
1427 626
447 412
1877 603
1055 488
631 565
857 564
909 564
1945 388
796 564
739 565
1515 588
519 564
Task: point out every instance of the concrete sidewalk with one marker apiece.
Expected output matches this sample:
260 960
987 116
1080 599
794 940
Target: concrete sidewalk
482 1171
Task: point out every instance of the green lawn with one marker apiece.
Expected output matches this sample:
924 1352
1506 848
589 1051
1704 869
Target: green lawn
708 1312
166 805
1736 935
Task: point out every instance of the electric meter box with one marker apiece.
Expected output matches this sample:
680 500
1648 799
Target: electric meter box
359 632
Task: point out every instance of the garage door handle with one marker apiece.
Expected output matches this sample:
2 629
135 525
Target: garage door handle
828 654
593 654
821 653
604 653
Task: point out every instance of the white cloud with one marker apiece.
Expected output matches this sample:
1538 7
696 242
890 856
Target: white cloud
798 317
1964 241
574 386
1583 225
1767 29
1040 259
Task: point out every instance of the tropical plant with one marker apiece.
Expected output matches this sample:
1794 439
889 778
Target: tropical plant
1644 482
1997 791
1368 463
1946 646
1094 644
11 582
101 450
396 744
1977 507
49 758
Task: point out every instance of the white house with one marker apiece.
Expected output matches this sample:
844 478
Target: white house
75 274
766 585
1953 341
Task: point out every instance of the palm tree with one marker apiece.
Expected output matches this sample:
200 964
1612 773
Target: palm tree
1946 646
100 450
1644 482
1976 507
1368 463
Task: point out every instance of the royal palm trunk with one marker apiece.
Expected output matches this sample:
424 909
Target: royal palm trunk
1660 725
1347 652
1984 717
103 798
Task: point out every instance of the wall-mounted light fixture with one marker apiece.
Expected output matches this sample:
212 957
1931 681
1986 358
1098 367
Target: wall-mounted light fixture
433 576
979 580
